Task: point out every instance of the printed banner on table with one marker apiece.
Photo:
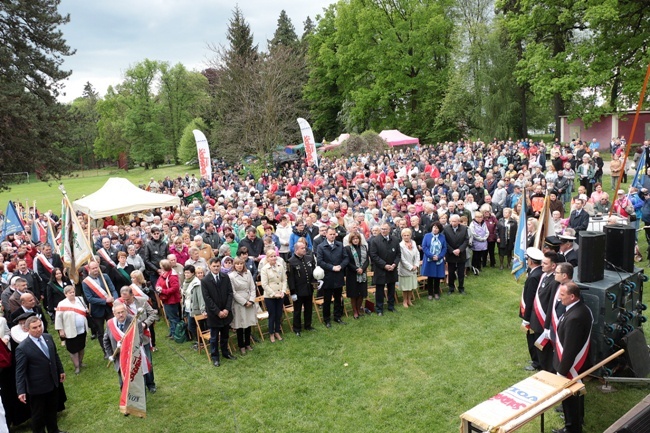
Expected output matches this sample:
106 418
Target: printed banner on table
310 144
132 400
518 404
203 152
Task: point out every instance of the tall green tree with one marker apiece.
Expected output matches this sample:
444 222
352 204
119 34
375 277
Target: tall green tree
142 127
111 140
183 96
285 33
322 90
82 133
32 49
187 147
390 62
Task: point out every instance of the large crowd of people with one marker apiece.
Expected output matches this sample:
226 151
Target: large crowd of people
367 227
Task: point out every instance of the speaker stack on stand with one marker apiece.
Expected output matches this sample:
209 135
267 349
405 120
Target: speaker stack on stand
613 290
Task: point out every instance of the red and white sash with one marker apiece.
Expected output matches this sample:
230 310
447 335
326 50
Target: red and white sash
44 262
97 289
581 357
118 335
106 257
137 292
76 310
537 304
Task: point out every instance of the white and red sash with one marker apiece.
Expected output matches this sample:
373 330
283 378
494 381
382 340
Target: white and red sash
118 335
97 289
44 262
106 257
73 309
537 304
137 292
581 357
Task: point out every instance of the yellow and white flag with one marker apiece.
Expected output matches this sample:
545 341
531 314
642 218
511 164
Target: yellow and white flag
75 249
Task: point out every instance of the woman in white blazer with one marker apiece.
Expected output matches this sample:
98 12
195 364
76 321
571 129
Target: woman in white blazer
72 325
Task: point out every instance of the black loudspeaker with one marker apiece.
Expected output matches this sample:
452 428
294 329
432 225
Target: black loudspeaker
637 355
620 247
591 257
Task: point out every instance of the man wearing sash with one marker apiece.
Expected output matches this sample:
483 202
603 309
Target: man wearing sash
100 293
116 327
546 289
148 317
107 254
572 350
535 272
44 264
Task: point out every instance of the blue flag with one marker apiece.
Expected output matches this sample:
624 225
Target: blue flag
12 222
36 233
50 235
519 259
639 176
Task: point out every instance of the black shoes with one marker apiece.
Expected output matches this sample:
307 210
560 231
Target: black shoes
328 325
298 334
152 389
340 322
379 313
216 363
560 430
529 368
230 356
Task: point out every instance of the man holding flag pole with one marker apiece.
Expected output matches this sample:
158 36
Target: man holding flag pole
98 288
123 339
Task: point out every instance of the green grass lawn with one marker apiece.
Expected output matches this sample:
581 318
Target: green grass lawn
82 183
414 370
411 371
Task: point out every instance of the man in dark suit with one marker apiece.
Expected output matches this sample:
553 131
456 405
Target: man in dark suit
385 255
39 373
217 293
579 219
301 285
333 259
535 257
44 264
567 250
28 304
545 290
572 350
457 240
100 294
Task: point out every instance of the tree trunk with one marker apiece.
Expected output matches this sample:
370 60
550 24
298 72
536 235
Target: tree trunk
558 110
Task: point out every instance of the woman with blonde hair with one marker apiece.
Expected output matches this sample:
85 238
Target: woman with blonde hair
275 286
72 325
408 267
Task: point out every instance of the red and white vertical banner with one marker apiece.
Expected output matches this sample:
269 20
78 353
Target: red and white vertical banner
308 139
132 399
203 151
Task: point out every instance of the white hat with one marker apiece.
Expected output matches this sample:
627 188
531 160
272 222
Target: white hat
319 273
535 254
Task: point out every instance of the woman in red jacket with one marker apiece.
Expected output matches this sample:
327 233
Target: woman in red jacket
169 289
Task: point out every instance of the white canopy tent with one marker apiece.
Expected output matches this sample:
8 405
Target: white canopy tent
119 196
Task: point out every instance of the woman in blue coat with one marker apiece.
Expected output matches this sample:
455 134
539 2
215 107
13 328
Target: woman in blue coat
434 247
